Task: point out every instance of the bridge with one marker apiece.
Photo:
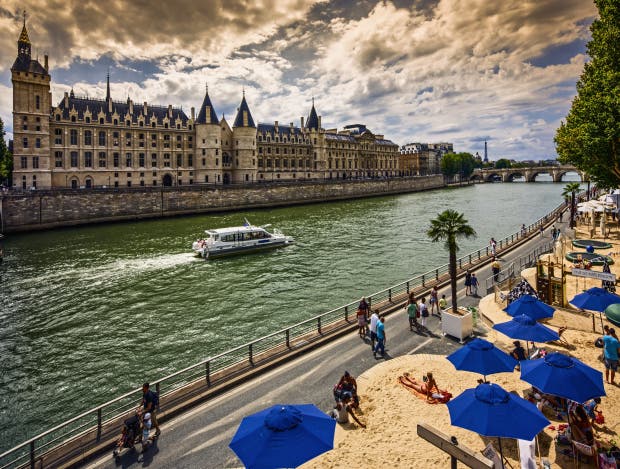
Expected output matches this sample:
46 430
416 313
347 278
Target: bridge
528 173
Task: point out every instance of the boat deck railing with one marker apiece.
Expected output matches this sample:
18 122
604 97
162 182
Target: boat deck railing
99 425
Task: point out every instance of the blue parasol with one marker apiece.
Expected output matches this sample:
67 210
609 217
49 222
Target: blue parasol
481 356
283 436
531 307
563 376
491 411
595 299
525 328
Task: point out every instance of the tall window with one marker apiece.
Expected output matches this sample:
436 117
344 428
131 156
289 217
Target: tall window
102 139
88 159
58 159
37 100
141 160
73 136
154 160
74 159
58 136
25 142
190 160
179 160
37 143
88 137
102 159
35 162
116 158
128 160
23 162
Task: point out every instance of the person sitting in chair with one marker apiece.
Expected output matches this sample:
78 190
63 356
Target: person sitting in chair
518 352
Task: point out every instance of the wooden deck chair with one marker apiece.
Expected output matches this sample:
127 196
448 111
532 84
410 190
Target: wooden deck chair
562 340
586 450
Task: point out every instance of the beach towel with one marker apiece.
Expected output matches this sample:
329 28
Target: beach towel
436 398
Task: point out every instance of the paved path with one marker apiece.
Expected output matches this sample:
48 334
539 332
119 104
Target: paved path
200 437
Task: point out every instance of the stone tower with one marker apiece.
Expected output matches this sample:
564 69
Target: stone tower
316 134
31 114
244 162
208 144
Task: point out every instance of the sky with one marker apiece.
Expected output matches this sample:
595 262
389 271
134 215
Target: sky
460 71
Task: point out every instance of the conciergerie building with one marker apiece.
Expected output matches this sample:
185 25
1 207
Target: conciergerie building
84 142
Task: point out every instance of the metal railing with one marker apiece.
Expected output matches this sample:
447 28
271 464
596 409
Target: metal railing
91 425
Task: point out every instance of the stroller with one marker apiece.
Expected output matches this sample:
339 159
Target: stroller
130 435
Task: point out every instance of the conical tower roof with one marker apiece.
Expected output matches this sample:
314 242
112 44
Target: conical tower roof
244 117
23 37
313 119
207 114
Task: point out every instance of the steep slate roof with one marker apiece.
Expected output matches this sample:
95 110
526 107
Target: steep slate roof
270 129
243 109
313 119
95 106
26 64
207 110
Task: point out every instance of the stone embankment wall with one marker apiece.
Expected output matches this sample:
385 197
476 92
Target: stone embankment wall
50 209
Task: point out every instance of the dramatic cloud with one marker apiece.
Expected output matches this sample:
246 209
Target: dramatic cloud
448 70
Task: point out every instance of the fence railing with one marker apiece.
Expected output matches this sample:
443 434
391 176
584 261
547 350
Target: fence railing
231 363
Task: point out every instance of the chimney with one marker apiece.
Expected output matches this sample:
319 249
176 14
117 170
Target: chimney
130 107
145 109
193 113
170 111
302 122
66 100
319 122
291 125
276 125
45 65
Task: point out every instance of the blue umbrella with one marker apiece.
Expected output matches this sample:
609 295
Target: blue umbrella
595 299
525 328
491 411
563 376
283 436
529 306
481 356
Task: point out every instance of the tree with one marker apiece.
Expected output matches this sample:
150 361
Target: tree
6 159
569 190
458 163
450 226
503 163
590 137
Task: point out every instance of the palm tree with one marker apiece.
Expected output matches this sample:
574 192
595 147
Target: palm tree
449 226
569 190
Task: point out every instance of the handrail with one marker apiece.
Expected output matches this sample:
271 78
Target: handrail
250 351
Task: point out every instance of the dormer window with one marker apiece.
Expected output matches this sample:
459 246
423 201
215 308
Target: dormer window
115 121
57 117
128 123
73 119
87 120
101 120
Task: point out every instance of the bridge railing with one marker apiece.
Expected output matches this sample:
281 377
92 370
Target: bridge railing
95 423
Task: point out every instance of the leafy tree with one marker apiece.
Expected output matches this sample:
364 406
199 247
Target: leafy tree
6 159
503 163
458 163
569 191
590 138
449 226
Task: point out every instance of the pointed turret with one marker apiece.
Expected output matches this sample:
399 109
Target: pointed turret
207 114
313 119
244 117
107 94
23 43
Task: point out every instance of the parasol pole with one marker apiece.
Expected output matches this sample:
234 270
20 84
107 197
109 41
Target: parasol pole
501 453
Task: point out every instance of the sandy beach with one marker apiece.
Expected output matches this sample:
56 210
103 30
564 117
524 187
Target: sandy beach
392 412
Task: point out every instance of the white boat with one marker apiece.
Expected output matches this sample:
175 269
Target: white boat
239 239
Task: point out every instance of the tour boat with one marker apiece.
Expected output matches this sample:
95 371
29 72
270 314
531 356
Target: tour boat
239 239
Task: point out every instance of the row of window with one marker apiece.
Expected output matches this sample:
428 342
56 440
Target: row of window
128 123
103 136
262 138
284 163
87 160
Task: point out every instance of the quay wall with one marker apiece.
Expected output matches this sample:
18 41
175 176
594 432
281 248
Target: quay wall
37 210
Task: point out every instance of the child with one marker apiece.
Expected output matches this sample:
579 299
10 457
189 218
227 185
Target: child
146 430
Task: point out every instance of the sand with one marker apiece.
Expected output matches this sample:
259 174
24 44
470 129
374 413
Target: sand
391 412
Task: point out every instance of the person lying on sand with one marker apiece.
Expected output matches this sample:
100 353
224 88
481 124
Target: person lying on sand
426 387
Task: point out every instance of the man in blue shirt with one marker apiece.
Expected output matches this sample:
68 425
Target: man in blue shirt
380 338
610 347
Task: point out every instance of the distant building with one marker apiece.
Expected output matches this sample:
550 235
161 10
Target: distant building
423 158
86 142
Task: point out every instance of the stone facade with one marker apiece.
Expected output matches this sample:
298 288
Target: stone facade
423 158
86 143
43 209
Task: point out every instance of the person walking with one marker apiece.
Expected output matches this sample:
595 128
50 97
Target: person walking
434 300
542 230
495 268
523 230
150 404
611 347
474 284
423 312
493 245
467 283
381 338
412 313
374 319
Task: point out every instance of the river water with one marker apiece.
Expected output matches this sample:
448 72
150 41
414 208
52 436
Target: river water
89 313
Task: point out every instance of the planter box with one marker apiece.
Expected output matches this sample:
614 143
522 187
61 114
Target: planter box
457 325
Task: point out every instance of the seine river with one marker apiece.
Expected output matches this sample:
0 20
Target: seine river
89 313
